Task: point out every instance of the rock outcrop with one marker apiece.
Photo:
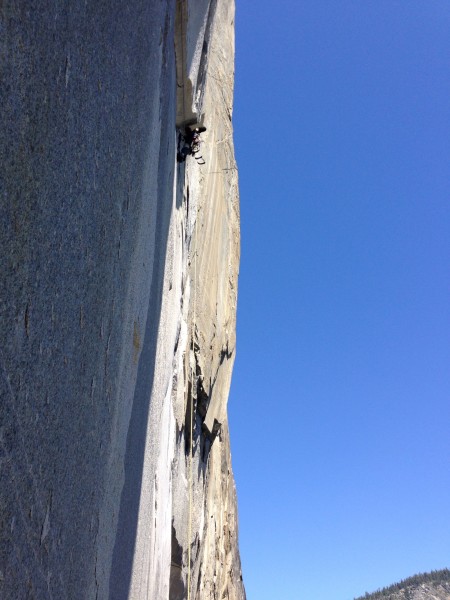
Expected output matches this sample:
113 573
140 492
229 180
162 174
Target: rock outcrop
424 586
118 301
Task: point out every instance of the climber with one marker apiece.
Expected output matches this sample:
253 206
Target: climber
191 146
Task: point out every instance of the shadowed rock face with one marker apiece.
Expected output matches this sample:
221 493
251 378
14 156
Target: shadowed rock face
99 227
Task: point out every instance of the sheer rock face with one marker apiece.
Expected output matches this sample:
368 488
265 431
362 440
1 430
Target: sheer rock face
117 301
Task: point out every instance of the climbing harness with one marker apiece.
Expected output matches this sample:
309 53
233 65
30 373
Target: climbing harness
195 148
189 144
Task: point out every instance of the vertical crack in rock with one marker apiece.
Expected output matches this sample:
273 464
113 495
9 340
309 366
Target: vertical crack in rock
177 588
212 239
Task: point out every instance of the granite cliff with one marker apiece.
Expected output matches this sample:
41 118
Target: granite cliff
117 301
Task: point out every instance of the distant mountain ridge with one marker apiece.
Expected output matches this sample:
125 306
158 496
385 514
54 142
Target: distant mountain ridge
423 586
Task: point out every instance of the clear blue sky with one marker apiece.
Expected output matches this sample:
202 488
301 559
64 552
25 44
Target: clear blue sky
339 407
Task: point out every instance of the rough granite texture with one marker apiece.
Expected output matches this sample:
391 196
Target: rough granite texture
117 300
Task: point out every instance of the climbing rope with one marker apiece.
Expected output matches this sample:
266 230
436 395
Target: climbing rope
193 387
183 66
